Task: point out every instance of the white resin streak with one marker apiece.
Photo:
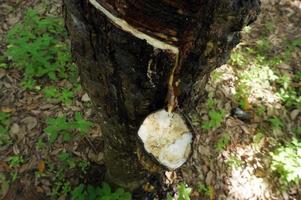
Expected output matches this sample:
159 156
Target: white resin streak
130 29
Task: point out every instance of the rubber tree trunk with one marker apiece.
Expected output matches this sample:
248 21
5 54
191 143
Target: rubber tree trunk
139 56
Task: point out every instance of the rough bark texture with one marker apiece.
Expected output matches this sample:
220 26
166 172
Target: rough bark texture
127 78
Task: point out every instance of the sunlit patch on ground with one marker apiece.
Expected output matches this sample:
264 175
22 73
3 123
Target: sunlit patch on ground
245 185
247 178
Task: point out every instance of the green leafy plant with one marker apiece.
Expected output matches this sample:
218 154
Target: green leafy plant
242 94
263 45
234 162
37 45
51 92
56 126
66 159
60 186
81 124
258 137
208 191
62 126
15 161
222 142
291 45
216 75
4 127
286 161
260 111
237 58
84 165
13 176
65 163
183 192
64 95
290 95
40 144
104 192
276 123
215 117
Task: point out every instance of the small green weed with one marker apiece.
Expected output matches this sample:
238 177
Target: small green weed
237 58
67 160
60 186
234 162
216 75
104 192
242 94
65 163
84 165
222 142
40 144
208 191
63 95
276 123
183 192
260 110
37 46
13 176
16 161
291 96
286 161
263 45
215 117
4 127
62 126
258 137
291 46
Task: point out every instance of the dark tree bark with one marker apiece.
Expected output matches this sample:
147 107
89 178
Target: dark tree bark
138 56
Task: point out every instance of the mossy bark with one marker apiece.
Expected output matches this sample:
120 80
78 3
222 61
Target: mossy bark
128 78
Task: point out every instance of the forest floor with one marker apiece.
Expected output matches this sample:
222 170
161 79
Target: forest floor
248 141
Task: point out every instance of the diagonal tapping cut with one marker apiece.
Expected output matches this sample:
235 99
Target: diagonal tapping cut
156 43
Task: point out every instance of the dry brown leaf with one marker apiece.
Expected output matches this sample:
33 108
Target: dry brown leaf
41 166
4 166
39 189
7 110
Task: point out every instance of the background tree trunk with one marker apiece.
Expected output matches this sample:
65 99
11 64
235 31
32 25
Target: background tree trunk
128 77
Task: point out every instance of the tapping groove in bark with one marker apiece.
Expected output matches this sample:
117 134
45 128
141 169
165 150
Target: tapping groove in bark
122 24
126 54
156 43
